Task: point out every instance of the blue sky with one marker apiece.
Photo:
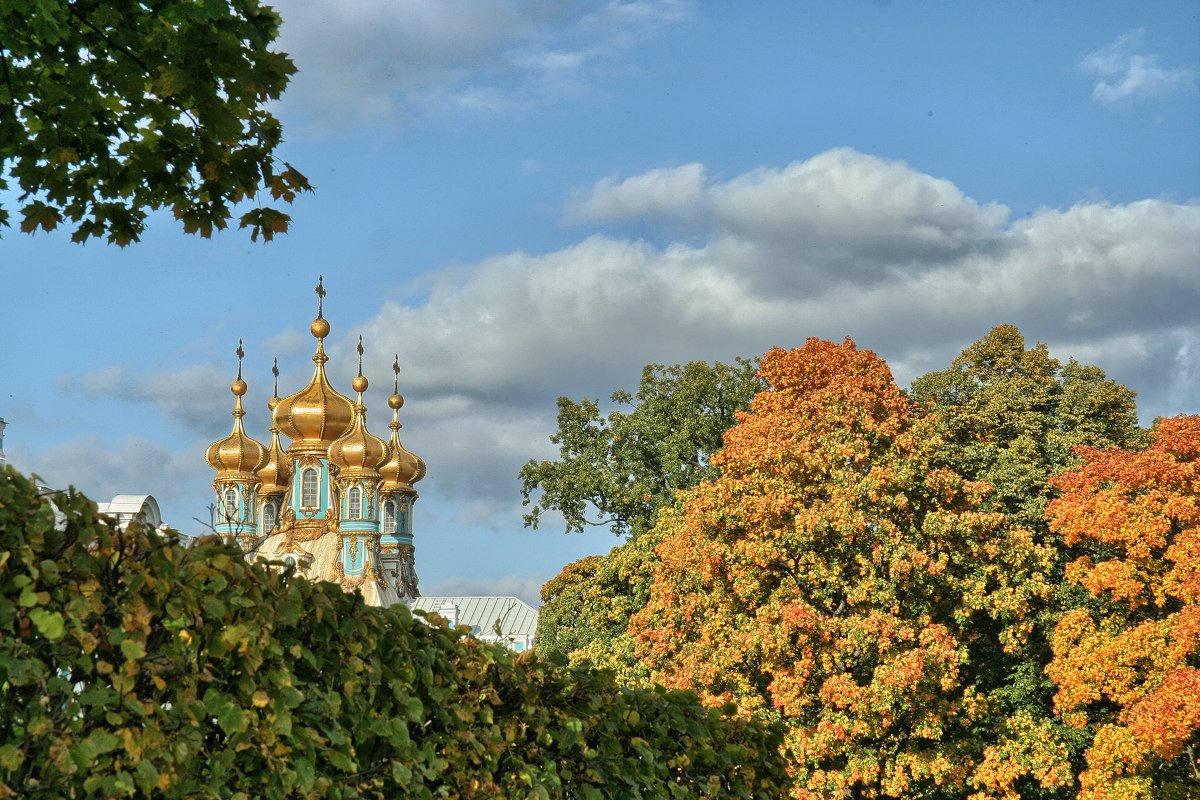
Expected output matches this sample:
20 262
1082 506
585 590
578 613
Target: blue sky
526 200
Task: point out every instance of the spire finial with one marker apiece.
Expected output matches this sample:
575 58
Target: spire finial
240 354
275 372
395 401
360 382
320 296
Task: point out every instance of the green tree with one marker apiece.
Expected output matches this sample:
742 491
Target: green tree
1012 417
110 110
619 470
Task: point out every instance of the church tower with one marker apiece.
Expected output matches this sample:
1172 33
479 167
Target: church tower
337 501
401 470
354 460
236 458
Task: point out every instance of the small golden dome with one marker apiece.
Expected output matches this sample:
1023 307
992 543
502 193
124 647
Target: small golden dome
237 456
317 414
359 451
403 468
276 471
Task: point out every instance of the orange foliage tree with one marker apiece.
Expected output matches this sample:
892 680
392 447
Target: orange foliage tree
1127 663
830 575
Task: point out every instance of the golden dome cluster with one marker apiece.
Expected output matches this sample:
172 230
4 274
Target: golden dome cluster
320 422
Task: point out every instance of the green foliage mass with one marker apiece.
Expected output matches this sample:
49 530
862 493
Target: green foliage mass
110 110
1012 416
133 666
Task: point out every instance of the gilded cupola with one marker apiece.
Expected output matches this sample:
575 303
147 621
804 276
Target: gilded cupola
317 414
237 456
402 468
276 471
359 451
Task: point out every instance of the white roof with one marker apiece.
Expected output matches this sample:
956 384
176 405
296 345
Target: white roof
517 618
128 506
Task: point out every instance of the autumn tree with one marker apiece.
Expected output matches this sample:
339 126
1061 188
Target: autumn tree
109 111
1128 663
1012 416
617 470
835 575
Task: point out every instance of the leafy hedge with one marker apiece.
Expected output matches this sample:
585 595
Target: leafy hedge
133 666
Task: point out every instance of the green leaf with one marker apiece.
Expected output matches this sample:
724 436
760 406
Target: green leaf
49 623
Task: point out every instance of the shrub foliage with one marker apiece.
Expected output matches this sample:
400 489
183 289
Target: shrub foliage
133 666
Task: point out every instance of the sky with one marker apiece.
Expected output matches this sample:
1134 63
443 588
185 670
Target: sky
533 199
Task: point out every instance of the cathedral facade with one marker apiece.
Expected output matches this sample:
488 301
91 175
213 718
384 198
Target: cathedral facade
337 501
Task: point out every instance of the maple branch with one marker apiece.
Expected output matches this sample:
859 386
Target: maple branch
74 12
1192 762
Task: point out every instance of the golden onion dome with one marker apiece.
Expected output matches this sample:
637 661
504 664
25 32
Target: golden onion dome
276 471
237 456
403 468
359 452
317 414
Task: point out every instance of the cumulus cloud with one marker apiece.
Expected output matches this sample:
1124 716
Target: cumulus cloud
377 61
1124 73
669 192
191 395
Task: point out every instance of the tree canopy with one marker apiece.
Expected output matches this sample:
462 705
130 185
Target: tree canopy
620 470
1012 416
109 111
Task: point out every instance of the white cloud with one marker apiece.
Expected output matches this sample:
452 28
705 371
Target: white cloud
380 61
840 244
1125 74
670 192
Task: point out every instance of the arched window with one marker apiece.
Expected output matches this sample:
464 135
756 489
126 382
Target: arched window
230 512
354 503
389 517
268 521
308 488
